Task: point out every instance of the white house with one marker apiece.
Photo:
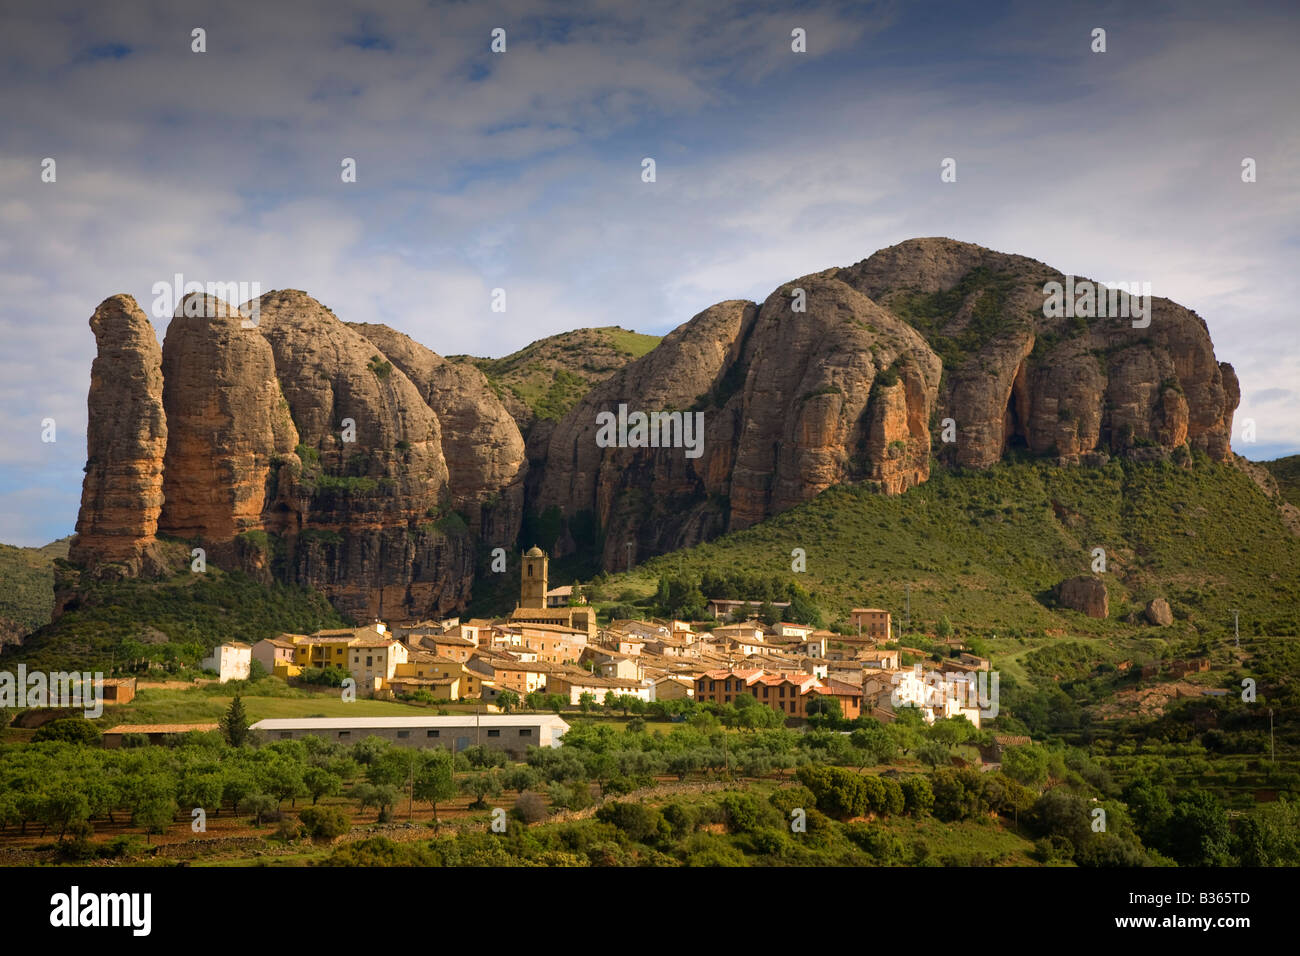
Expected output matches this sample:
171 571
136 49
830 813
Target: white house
938 696
230 660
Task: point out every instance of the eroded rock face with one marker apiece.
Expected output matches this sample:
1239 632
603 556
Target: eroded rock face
126 439
480 440
656 496
1069 387
925 338
1085 594
375 523
793 402
356 461
231 434
841 392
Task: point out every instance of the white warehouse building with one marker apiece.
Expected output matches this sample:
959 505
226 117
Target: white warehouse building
513 733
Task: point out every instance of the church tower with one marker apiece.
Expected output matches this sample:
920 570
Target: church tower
532 579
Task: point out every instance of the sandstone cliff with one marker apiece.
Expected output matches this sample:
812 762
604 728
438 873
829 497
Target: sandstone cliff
480 439
928 347
1068 387
373 524
353 460
231 434
126 436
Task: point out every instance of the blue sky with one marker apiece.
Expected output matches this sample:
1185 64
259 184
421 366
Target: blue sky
522 170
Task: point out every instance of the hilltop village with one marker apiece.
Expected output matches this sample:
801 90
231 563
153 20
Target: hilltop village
550 654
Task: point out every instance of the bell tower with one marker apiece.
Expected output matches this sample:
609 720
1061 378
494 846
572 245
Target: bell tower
532 579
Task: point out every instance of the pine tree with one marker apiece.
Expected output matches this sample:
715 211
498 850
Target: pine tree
234 725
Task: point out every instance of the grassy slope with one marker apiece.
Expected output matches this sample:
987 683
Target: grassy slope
550 375
177 619
986 549
27 585
1286 471
158 706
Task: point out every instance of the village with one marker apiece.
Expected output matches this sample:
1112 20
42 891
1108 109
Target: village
550 654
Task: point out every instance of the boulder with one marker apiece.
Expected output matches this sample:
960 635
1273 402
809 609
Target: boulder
1085 594
1158 613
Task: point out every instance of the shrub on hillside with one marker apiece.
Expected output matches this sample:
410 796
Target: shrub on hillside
325 823
72 730
788 799
636 820
530 807
918 796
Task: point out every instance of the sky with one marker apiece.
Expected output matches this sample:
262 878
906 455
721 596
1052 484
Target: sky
522 170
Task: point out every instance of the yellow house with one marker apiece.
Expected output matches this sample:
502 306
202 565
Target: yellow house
442 688
323 651
422 666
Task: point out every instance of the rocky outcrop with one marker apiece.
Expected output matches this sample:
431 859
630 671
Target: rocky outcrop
374 525
231 446
298 451
1085 594
1157 612
126 438
814 388
481 443
928 347
356 461
657 496
1066 386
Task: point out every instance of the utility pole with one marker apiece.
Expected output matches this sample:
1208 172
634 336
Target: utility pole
1236 634
630 545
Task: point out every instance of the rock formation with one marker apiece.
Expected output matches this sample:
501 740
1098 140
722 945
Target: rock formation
126 437
374 526
480 440
1068 387
231 433
1157 612
928 347
353 460
1085 594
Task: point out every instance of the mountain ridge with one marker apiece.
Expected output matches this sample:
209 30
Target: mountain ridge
383 480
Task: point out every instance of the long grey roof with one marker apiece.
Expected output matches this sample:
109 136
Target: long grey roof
455 720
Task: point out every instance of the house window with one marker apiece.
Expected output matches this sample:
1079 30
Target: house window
525 731
344 733
432 733
494 733
403 734
369 660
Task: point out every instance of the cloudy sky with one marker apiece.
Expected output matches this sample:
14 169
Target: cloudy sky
522 170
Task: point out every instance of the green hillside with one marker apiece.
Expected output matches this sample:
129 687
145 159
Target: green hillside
1286 472
988 548
27 587
176 621
546 378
